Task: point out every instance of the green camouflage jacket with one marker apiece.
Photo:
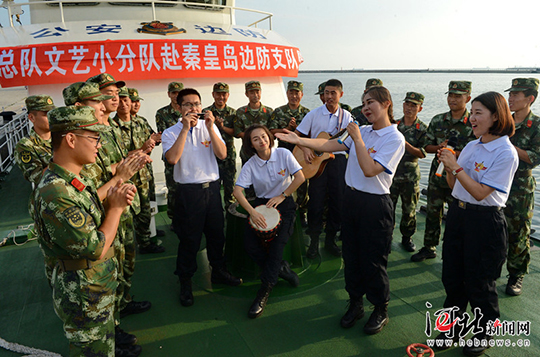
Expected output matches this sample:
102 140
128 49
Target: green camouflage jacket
408 169
527 137
359 116
443 127
166 117
346 107
228 115
67 215
282 116
245 117
32 155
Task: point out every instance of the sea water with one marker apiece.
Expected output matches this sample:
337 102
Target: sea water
432 85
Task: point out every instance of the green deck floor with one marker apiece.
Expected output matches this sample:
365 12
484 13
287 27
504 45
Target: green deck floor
297 322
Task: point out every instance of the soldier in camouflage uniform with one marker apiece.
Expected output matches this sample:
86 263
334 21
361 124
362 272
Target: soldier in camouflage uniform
320 92
111 154
33 153
225 122
254 112
454 123
289 116
357 111
520 204
406 180
137 135
165 118
76 230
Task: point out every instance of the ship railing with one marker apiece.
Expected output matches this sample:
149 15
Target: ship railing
15 9
10 134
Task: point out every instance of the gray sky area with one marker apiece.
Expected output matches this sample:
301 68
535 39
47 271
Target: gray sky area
397 34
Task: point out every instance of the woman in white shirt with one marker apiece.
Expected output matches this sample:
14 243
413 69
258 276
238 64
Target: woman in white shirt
475 238
367 225
269 170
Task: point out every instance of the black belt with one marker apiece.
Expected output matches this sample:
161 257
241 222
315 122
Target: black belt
198 185
470 206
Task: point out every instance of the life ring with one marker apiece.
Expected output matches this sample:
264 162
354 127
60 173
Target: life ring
420 349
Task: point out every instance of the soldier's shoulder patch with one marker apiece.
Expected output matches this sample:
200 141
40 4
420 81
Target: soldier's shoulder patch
75 217
26 157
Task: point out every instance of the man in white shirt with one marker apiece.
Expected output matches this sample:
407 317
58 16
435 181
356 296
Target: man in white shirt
192 146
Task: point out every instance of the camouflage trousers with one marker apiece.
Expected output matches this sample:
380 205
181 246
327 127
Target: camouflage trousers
171 189
436 198
125 254
227 174
409 193
142 220
84 301
519 213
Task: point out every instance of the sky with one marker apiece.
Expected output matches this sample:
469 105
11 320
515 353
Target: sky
397 34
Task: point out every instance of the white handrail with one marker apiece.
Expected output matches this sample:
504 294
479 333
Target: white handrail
60 3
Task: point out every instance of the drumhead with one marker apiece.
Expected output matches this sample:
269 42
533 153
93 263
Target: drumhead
271 215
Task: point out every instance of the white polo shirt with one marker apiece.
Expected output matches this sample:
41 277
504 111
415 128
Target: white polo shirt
321 120
198 163
493 164
269 178
386 146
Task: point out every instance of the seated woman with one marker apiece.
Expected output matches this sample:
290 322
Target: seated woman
474 245
269 171
375 152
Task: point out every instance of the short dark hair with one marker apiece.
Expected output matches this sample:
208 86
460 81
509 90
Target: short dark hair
381 95
529 92
248 149
56 139
497 105
334 83
184 92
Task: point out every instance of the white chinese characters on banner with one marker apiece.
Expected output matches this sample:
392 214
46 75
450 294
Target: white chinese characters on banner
68 62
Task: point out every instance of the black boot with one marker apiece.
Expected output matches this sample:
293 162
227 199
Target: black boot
313 249
479 346
330 245
408 244
221 275
122 338
127 351
287 274
377 320
259 303
354 313
186 293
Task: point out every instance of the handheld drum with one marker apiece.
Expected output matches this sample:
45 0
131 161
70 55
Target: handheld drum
273 221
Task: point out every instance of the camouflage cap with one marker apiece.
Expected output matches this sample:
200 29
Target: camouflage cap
40 102
81 91
105 80
299 86
320 89
74 118
221 87
372 82
123 92
414 97
253 85
523 84
134 95
459 87
175 87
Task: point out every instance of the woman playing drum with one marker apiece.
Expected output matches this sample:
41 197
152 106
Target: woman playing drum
367 223
269 170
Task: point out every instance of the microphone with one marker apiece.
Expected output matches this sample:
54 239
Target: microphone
345 135
452 143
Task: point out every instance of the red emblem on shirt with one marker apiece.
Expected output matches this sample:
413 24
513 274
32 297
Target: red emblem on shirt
206 143
282 172
78 184
371 150
479 167
529 123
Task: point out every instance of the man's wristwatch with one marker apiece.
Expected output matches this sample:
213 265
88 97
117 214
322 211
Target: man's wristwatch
455 172
284 194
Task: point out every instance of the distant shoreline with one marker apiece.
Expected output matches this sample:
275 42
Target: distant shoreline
425 70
